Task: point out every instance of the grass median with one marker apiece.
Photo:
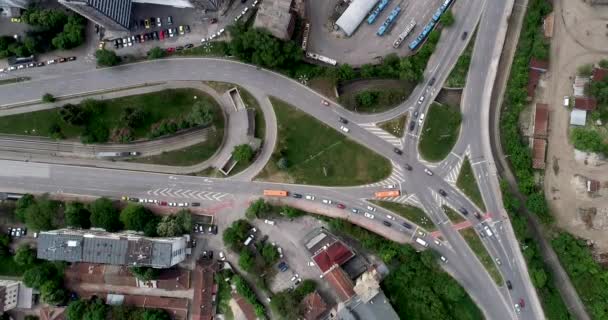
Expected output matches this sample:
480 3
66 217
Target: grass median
14 80
310 152
413 214
471 237
375 100
107 115
440 132
458 75
467 183
454 216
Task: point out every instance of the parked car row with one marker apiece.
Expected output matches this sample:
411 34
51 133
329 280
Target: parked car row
17 232
161 203
36 64
213 36
150 36
204 228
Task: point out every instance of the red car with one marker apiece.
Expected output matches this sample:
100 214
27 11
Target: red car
522 303
163 203
341 206
161 35
169 50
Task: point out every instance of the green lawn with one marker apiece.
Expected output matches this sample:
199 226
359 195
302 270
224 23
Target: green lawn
413 214
8 267
317 154
467 183
454 216
383 99
476 245
395 126
188 156
165 104
14 80
458 75
440 132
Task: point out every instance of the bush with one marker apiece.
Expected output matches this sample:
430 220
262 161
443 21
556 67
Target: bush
367 98
257 209
201 114
25 256
48 98
587 140
175 225
106 58
77 215
235 235
104 215
585 70
144 273
247 260
156 53
447 19
136 217
242 153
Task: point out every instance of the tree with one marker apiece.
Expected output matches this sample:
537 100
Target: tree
22 204
52 293
184 220
104 215
144 273
25 256
94 309
155 314
201 114
447 19
76 309
587 140
283 163
585 70
5 242
269 253
156 53
537 204
48 98
135 217
72 35
604 63
367 98
74 115
39 274
291 212
132 117
246 260
257 209
168 227
106 58
41 214
77 215
242 152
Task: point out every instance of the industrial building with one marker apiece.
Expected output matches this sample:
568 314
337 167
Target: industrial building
98 246
276 16
12 8
352 17
111 14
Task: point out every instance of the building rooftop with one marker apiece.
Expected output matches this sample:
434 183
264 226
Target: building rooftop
379 308
540 65
314 306
533 78
352 17
204 290
579 86
599 74
276 17
334 254
539 149
585 103
548 25
104 247
541 119
341 283
578 117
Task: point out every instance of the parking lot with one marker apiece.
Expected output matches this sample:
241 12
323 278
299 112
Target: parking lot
334 44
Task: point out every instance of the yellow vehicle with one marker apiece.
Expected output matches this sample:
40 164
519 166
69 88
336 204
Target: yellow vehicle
147 23
181 30
101 45
16 20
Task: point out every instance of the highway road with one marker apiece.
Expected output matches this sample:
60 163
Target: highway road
420 188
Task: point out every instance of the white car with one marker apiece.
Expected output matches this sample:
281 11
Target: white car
222 256
421 100
142 200
390 186
427 171
498 261
444 259
182 204
221 31
244 10
270 222
311 264
437 242
368 215
370 208
280 251
2 69
388 216
345 129
203 40
421 119
295 277
326 201
21 66
12 68
255 3
309 197
172 204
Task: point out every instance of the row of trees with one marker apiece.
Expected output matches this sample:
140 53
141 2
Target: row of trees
541 276
45 276
260 209
50 29
514 103
43 213
96 309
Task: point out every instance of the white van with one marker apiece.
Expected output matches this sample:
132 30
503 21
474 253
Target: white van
488 231
566 101
422 242
248 240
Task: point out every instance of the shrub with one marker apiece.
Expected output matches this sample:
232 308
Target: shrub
242 152
106 58
48 98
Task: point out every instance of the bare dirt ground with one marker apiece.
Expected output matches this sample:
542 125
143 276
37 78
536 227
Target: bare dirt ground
580 37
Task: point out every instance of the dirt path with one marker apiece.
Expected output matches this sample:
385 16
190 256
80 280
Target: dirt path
579 38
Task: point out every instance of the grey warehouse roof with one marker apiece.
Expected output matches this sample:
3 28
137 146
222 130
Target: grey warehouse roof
354 14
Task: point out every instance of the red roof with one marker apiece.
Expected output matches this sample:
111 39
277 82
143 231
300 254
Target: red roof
599 74
314 306
540 65
341 283
52 313
202 283
585 103
336 253
541 119
539 148
245 306
533 77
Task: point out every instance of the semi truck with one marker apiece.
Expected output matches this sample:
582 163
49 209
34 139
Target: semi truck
276 193
117 154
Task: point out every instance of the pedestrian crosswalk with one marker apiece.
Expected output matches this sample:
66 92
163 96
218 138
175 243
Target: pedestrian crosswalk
454 171
188 194
382 134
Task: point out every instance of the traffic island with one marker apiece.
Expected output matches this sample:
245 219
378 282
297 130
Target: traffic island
467 183
413 214
472 239
310 152
395 126
440 132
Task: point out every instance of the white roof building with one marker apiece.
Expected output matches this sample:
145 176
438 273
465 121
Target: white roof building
354 15
578 117
579 86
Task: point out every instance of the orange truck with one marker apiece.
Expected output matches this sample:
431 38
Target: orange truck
387 194
276 193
